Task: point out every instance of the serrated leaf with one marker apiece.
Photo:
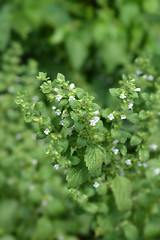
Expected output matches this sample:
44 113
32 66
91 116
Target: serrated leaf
123 135
94 157
131 231
79 126
60 77
133 117
80 93
143 114
46 120
143 155
115 92
39 108
135 140
74 104
81 142
62 103
108 158
74 116
28 116
106 112
121 188
77 175
75 160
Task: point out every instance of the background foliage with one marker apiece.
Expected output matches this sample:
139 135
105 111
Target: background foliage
92 43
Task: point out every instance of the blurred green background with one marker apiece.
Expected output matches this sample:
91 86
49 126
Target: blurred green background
91 42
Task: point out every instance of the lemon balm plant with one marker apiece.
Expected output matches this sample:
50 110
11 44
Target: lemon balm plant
109 156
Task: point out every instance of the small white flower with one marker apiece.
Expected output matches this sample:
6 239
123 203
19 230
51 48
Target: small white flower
61 122
92 122
110 116
139 164
35 99
128 161
34 161
117 229
115 142
139 72
122 96
56 89
64 115
56 166
130 105
72 86
96 185
96 119
150 78
115 150
18 136
121 172
71 128
53 107
47 131
11 89
96 112
44 203
31 187
145 76
39 209
10 181
17 79
123 116
144 164
153 146
137 89
34 136
157 171
58 97
58 112
71 98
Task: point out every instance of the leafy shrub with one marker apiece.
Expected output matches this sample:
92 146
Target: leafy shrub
110 156
88 40
33 201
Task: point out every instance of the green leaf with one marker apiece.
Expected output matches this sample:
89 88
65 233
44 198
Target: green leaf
123 149
77 47
94 157
121 188
123 136
43 229
152 228
115 92
143 155
77 175
39 108
74 104
42 76
143 114
75 160
74 116
81 142
79 126
108 158
106 112
60 77
131 231
133 117
28 116
135 140
80 93
46 120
